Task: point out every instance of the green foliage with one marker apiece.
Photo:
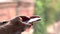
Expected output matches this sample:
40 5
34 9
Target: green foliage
49 11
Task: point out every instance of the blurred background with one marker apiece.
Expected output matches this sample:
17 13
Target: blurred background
48 10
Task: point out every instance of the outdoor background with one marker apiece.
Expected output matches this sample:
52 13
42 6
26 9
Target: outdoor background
49 11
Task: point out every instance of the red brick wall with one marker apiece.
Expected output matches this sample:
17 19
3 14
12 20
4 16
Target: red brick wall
7 11
27 9
10 11
4 14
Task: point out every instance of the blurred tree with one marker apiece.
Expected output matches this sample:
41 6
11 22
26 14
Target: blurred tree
49 11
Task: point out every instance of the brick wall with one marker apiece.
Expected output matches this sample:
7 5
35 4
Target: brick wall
7 11
26 7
